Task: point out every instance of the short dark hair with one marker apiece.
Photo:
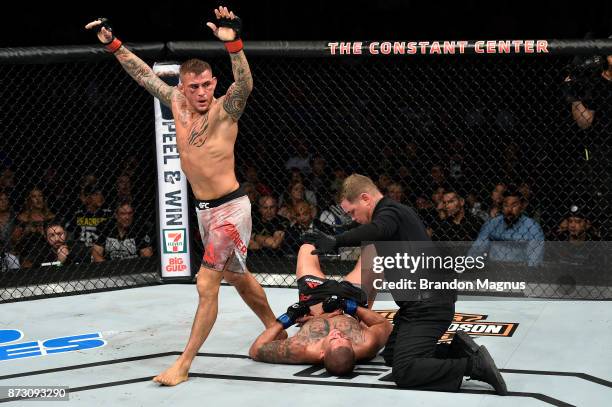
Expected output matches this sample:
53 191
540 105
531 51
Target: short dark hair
339 361
194 65
512 190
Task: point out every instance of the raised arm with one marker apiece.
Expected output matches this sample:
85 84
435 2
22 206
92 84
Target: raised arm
228 31
136 67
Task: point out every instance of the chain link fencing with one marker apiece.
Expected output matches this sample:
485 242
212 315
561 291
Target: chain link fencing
446 135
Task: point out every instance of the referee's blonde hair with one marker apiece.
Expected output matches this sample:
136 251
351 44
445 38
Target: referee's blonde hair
355 185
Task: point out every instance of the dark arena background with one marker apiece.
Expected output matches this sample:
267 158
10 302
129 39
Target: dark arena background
79 147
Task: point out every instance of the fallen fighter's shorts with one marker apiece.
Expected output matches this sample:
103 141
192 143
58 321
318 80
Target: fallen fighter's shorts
314 290
225 227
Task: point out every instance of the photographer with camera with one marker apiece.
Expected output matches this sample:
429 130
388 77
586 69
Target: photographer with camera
588 88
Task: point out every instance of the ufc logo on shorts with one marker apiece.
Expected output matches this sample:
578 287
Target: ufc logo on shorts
204 205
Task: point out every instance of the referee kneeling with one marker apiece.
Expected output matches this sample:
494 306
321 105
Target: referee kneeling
413 352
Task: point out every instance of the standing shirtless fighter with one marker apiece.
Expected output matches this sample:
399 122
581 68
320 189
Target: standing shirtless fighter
206 131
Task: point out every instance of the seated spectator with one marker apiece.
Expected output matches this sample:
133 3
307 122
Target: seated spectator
120 239
9 261
475 207
295 194
301 158
320 180
459 224
85 224
335 216
34 215
32 249
59 251
55 189
298 178
7 184
122 191
268 233
337 181
251 175
305 221
497 199
531 209
578 227
252 193
437 177
427 212
511 226
7 223
396 192
384 180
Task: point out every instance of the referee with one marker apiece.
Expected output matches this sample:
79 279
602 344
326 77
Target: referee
418 362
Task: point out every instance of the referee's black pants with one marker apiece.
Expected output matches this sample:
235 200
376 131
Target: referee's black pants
417 361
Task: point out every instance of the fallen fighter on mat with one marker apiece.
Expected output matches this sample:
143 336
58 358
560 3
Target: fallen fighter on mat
338 329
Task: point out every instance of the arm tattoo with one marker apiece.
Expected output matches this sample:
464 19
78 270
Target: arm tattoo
144 75
283 351
237 94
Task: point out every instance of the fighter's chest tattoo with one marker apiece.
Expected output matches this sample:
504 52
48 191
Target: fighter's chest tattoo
314 330
199 132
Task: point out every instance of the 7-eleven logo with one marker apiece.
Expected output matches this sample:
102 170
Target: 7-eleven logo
174 241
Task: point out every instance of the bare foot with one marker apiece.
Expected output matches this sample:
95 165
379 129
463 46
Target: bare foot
172 376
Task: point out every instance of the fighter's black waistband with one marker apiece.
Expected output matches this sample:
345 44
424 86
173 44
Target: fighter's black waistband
213 203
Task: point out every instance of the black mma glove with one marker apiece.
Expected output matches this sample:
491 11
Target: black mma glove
324 243
334 302
294 312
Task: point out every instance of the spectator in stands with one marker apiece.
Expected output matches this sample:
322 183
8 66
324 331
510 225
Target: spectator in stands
437 178
579 228
511 226
456 163
335 216
7 184
531 208
269 229
34 215
59 251
395 191
474 206
7 225
120 239
123 191
427 212
85 182
56 190
320 180
337 181
85 224
301 158
497 199
32 249
251 192
305 221
459 224
384 180
251 175
7 222
438 200
295 194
